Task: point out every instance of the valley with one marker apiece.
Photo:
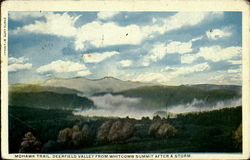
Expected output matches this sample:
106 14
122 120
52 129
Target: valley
79 115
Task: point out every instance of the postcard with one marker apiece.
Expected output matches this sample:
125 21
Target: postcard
125 79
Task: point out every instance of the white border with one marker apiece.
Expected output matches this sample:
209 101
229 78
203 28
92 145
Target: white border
129 5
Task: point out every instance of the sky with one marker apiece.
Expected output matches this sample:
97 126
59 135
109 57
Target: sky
170 48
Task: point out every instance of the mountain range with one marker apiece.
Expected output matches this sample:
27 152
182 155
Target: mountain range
89 87
77 92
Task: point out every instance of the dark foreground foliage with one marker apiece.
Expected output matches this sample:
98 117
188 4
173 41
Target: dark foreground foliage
212 131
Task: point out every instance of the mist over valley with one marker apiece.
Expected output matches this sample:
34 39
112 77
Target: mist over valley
111 97
110 105
80 115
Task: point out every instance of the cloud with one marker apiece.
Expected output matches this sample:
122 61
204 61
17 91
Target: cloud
12 60
101 34
188 58
189 69
15 67
16 64
151 77
184 19
234 71
95 33
106 15
83 73
229 76
215 34
214 53
60 66
173 72
196 39
235 61
98 57
179 20
168 69
179 47
160 50
55 24
18 16
226 78
111 34
218 78
126 63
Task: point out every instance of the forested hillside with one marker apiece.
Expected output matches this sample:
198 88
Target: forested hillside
49 100
164 96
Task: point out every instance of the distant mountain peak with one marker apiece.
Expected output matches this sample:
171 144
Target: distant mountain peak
108 78
83 78
93 86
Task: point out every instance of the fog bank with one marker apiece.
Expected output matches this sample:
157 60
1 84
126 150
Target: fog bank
200 105
116 106
119 106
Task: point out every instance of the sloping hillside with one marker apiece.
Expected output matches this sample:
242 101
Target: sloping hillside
164 96
49 100
38 88
214 86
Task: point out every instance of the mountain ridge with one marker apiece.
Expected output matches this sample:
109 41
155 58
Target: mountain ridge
96 79
89 87
114 78
216 86
107 84
151 95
